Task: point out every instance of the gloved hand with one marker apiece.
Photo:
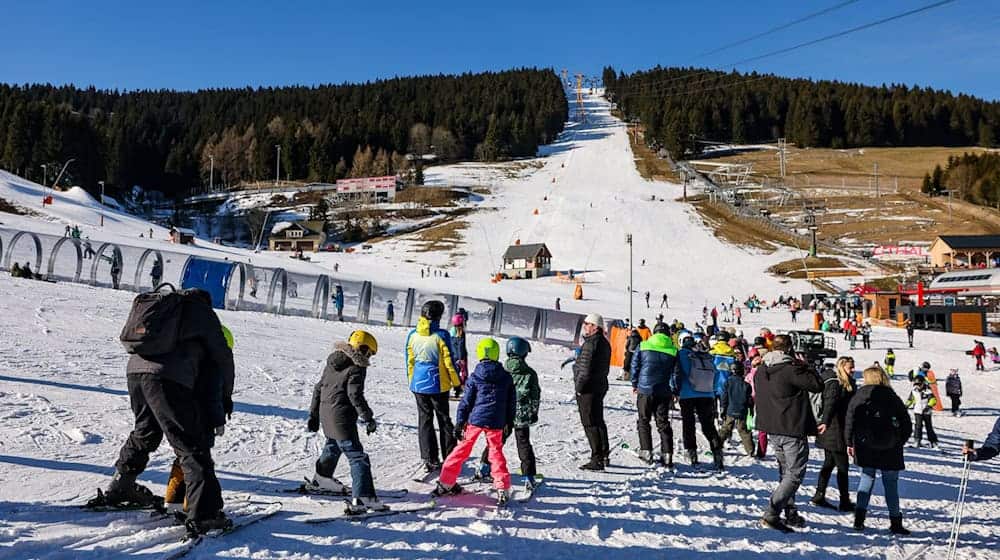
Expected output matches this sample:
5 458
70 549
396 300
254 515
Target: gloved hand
371 426
313 425
460 432
220 430
458 392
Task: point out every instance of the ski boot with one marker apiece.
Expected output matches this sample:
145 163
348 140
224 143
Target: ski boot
503 496
125 493
364 505
593 465
431 466
793 519
859 519
693 456
326 484
482 474
646 456
197 527
896 526
442 490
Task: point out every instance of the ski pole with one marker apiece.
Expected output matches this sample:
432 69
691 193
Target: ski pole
956 523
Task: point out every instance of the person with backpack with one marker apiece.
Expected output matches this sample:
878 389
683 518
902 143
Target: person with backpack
459 352
737 404
171 336
922 401
631 347
990 448
338 402
694 383
653 366
876 428
431 374
838 390
488 408
953 388
590 381
785 413
890 363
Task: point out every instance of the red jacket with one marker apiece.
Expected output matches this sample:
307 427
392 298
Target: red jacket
978 350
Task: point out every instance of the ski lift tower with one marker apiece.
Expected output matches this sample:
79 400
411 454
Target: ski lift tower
581 114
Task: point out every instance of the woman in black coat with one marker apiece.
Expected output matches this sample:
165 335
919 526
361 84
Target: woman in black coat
876 429
838 389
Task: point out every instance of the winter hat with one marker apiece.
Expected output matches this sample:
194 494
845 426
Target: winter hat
594 319
488 349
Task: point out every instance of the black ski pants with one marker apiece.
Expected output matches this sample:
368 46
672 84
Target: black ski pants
429 407
956 402
704 409
165 408
921 420
839 460
591 407
525 452
655 407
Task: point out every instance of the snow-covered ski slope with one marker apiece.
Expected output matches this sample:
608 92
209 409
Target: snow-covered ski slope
64 413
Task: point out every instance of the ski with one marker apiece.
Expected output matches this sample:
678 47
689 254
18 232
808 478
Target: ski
256 512
420 506
526 493
423 476
306 490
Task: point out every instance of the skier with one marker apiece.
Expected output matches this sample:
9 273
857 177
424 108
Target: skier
922 401
694 382
116 271
161 389
838 389
338 402
488 408
431 374
459 352
647 294
876 429
590 379
390 313
739 315
338 302
909 332
890 363
88 249
156 274
866 336
784 412
528 394
557 304
978 351
990 448
652 368
631 347
663 302
953 388
737 403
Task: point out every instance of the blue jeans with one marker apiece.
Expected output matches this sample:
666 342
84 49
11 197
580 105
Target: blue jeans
890 483
361 467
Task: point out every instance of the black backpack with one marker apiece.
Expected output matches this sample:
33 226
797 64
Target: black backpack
153 324
702 376
877 429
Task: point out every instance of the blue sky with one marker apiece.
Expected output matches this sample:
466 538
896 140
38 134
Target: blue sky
181 44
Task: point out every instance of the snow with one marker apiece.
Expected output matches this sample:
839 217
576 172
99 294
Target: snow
64 410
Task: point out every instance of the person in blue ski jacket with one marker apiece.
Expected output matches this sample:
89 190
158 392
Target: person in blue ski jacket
338 302
990 448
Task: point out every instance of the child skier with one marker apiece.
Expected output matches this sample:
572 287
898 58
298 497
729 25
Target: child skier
737 402
953 388
337 403
459 352
890 363
487 407
528 394
922 401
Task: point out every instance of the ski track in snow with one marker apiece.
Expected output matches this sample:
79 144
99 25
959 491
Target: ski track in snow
64 408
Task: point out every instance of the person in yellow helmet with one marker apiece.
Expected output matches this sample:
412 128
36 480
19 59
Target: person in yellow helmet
338 402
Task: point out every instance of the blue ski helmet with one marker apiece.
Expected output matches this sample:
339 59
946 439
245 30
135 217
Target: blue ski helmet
517 346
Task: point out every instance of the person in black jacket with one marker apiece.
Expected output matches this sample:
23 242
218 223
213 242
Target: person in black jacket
838 389
631 347
590 377
737 402
338 402
876 428
784 413
162 393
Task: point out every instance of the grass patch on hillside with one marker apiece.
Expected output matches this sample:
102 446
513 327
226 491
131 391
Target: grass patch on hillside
10 208
809 262
737 230
429 196
443 237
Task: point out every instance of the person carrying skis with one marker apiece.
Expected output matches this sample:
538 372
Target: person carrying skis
590 380
431 375
838 390
737 402
162 374
488 408
876 428
459 352
890 363
990 448
953 388
338 402
922 401
694 383
653 366
784 412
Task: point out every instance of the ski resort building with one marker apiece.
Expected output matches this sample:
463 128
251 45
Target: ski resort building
297 236
965 251
368 189
182 236
527 261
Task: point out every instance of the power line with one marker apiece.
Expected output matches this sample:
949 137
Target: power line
778 28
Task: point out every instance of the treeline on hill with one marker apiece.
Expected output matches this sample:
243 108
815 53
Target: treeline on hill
678 106
971 177
164 140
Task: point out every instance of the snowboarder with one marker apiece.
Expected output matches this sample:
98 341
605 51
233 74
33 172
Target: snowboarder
338 302
338 402
990 448
590 379
890 363
390 314
652 368
922 401
161 389
876 429
156 274
431 374
784 412
488 408
694 382
838 390
459 352
953 388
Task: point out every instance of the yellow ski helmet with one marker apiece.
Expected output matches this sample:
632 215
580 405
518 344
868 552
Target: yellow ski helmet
363 338
229 337
488 349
